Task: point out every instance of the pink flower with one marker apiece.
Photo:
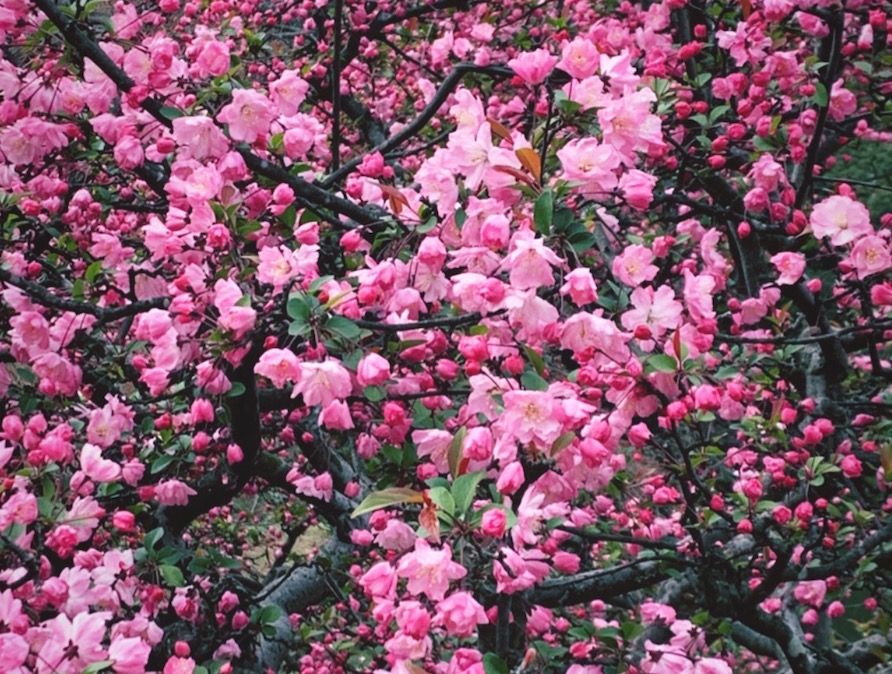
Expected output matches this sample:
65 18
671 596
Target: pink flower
789 267
511 478
530 263
130 655
177 665
213 59
530 417
248 116
533 67
579 58
592 164
322 383
200 137
124 520
173 493
840 218
288 92
429 570
811 592
95 467
372 370
580 286
380 581
493 522
870 256
460 614
634 265
336 416
279 366
638 188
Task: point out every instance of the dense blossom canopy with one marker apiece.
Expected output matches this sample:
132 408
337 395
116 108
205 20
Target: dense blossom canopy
454 337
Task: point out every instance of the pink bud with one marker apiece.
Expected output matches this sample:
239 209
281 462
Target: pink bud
124 520
372 370
511 478
493 523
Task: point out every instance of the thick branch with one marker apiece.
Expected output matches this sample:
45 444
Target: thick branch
42 295
589 585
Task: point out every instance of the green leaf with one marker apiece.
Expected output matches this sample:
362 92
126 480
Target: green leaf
533 382
237 390
270 614
93 271
385 498
454 454
152 538
171 112
663 362
298 308
562 443
820 98
493 664
373 394
443 499
543 212
97 666
172 575
343 327
464 489
162 462
534 358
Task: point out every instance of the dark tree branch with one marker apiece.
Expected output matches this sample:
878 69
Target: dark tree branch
42 295
416 125
600 584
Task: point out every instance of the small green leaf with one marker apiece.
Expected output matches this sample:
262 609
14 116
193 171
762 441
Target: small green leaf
172 575
562 443
94 667
298 309
385 498
171 112
543 212
270 614
820 97
535 359
533 382
373 394
454 454
493 664
93 271
663 362
464 489
443 499
343 327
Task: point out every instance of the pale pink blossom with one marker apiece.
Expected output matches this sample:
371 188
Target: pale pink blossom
533 66
460 614
173 493
870 255
429 570
635 265
280 366
322 383
789 266
249 115
372 370
840 218
95 467
288 91
530 262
